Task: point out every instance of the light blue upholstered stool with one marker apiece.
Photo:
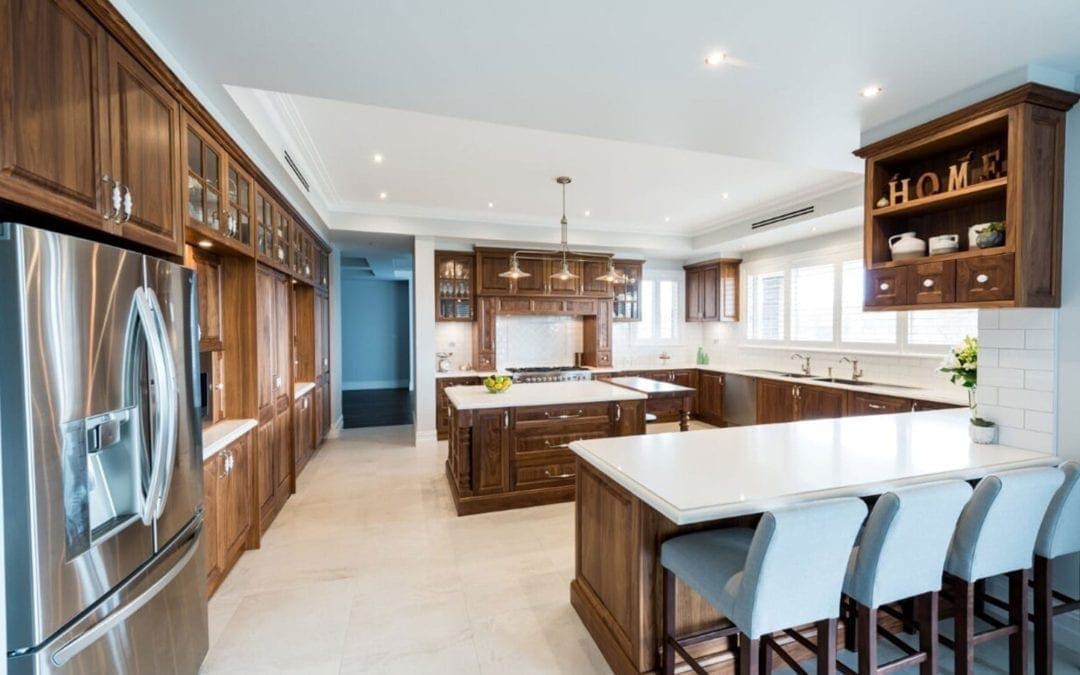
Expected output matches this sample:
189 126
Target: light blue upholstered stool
786 573
996 535
1059 536
901 555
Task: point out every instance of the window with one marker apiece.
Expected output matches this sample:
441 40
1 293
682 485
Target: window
941 327
765 311
812 295
857 326
660 309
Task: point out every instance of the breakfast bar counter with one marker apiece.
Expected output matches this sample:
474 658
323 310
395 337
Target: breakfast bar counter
634 493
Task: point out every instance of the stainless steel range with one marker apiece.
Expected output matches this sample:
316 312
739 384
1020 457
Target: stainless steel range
550 374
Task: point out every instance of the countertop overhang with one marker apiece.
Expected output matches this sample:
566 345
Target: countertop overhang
539 394
699 476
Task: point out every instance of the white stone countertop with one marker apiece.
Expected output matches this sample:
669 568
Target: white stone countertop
467 373
301 388
698 476
540 393
217 437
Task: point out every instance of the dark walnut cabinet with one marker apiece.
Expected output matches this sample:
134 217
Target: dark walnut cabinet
490 262
790 402
505 458
227 508
455 287
1000 160
274 466
442 403
710 398
626 300
712 291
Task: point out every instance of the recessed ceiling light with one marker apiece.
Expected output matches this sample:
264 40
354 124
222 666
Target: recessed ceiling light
377 158
206 243
871 91
588 213
714 58
382 195
667 219
491 205
723 195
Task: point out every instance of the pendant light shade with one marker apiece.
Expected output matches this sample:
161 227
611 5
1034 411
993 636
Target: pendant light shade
612 276
515 271
564 273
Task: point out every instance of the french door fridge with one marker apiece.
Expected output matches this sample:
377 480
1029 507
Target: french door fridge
101 458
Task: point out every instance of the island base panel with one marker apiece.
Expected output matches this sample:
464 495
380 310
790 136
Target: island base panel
618 586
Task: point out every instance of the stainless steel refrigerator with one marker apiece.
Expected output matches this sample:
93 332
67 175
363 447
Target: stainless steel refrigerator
101 458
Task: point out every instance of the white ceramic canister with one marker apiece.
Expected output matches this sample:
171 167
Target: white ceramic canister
973 234
906 245
944 243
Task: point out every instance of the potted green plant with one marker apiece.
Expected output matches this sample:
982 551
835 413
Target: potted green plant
991 235
962 364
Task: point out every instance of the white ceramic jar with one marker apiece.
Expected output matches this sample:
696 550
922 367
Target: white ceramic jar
906 245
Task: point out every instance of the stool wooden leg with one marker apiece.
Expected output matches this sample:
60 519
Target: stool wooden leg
766 658
1044 616
826 647
907 610
850 623
868 637
927 612
980 597
964 639
1018 616
749 655
669 622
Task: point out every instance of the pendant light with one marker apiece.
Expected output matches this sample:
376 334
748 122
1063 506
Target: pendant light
613 276
515 271
564 273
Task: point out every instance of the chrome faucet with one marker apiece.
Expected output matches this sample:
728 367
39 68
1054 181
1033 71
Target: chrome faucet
805 363
856 373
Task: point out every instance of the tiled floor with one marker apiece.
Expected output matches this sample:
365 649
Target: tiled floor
368 570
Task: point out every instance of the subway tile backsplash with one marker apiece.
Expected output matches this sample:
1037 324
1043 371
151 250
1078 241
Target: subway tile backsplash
531 341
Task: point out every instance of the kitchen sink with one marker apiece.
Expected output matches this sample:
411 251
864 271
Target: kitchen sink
780 373
841 380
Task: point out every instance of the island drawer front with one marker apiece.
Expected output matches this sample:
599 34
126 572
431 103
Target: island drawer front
569 412
544 474
530 444
876 404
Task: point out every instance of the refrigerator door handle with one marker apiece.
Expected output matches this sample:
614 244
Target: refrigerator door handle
73 647
161 389
171 408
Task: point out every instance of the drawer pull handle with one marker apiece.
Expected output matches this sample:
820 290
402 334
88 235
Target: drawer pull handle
548 474
548 444
875 406
579 413
928 283
982 278
884 286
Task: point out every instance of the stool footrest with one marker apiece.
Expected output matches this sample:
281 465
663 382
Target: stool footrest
769 642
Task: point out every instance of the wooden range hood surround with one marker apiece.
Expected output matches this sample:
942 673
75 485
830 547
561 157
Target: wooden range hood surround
595 316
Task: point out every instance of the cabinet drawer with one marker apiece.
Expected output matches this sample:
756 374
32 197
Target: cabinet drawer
530 444
985 279
570 412
932 283
546 474
887 287
874 404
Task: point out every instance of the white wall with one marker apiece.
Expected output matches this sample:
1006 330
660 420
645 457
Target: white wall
424 336
335 339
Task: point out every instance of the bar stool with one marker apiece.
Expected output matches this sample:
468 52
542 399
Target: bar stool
900 555
996 535
786 573
1059 536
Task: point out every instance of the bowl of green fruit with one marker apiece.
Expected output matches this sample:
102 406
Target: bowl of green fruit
497 384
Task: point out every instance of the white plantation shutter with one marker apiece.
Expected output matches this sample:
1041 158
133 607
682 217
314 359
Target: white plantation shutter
812 297
857 326
660 310
765 297
941 327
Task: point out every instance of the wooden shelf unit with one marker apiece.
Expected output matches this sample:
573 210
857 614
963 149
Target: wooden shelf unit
1025 127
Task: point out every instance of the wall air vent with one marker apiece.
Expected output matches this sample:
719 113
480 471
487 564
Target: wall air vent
296 171
782 217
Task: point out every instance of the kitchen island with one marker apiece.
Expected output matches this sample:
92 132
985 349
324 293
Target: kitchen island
634 493
511 449
662 396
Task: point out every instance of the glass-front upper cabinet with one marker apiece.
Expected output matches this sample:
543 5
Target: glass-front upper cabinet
282 244
264 226
454 288
204 168
626 305
238 206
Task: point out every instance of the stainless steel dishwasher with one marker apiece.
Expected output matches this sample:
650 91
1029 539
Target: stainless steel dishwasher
740 400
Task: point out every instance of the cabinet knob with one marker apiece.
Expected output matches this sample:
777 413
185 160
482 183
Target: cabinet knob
982 278
884 286
928 283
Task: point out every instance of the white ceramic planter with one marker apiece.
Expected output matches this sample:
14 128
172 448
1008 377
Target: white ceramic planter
982 435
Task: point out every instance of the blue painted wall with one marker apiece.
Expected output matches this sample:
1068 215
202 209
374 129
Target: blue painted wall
375 345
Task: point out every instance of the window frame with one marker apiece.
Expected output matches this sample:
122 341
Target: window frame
836 257
657 276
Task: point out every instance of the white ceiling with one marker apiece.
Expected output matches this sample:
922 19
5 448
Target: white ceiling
487 100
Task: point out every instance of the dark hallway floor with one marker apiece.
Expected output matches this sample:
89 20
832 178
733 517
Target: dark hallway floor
376 407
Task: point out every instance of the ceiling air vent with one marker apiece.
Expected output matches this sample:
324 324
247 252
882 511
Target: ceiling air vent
781 218
296 171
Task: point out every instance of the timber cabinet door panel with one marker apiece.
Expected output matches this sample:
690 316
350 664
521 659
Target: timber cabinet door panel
534 284
144 133
265 475
212 517
266 334
208 290
491 451
710 398
876 404
694 298
52 119
489 265
236 503
819 402
710 285
775 402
